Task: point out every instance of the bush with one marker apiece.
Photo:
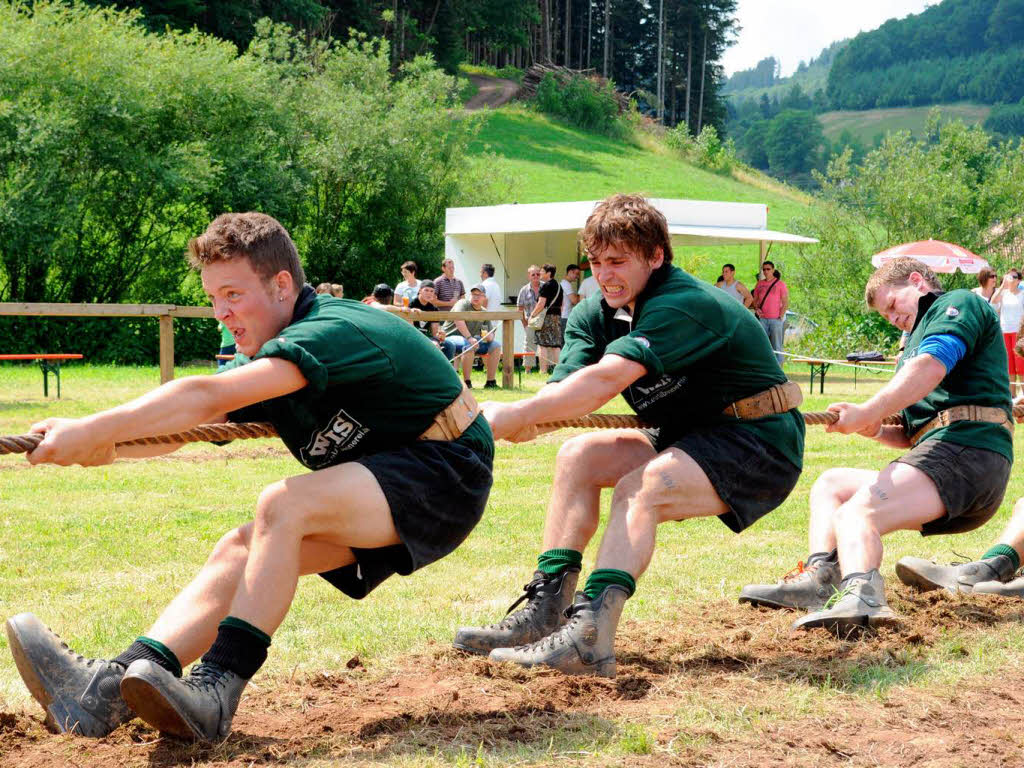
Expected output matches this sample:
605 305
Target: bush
706 150
118 145
583 102
1006 119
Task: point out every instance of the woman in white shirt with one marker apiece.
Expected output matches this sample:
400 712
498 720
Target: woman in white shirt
986 284
1008 301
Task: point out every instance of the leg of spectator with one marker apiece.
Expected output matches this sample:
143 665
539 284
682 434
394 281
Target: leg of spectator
492 358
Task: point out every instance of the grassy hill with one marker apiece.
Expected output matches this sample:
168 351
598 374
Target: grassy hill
552 162
865 125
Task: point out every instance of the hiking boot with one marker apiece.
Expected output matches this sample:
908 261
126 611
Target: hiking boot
79 695
546 598
959 577
859 603
198 707
1012 588
584 646
491 384
805 587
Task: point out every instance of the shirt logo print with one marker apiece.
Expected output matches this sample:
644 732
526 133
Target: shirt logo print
343 433
952 312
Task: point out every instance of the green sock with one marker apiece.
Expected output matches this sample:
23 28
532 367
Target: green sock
607 577
1004 549
174 666
554 561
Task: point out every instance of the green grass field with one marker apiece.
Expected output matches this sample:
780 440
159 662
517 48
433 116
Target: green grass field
97 552
554 162
867 124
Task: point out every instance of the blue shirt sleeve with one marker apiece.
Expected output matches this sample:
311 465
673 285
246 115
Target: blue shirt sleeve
944 347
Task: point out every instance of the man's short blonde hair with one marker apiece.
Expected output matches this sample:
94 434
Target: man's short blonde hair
896 274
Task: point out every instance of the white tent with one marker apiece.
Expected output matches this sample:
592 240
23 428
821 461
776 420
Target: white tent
513 236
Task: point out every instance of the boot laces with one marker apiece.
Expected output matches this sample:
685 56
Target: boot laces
530 591
206 676
795 573
558 637
837 595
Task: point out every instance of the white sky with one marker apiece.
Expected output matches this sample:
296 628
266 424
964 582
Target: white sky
796 30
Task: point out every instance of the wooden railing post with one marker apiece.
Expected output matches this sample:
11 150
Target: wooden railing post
508 338
166 348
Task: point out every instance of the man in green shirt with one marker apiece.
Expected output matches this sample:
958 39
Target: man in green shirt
951 388
726 438
359 397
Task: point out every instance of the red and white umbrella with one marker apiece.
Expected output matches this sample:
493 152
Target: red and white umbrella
940 256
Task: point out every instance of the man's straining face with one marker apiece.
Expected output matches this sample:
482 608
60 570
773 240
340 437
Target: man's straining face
622 275
898 303
254 310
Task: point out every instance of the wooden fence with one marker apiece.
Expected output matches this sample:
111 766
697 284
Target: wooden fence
165 314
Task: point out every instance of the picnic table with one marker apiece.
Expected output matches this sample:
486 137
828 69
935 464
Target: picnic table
49 364
819 367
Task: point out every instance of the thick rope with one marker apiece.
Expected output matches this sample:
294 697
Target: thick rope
245 431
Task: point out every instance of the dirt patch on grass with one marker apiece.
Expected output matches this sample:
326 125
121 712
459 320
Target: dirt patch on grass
714 684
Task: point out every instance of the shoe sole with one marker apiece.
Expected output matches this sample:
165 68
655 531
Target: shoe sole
470 649
63 714
919 581
764 603
149 703
838 623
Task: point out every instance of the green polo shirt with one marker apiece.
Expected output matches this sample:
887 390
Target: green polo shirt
374 383
980 378
702 351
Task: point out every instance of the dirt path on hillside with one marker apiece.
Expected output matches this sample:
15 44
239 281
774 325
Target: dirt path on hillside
709 686
491 92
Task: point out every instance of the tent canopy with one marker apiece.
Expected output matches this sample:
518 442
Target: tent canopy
691 222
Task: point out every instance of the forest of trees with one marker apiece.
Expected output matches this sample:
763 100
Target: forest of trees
665 52
954 51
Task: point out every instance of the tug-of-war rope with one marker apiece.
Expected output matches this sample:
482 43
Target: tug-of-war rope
244 431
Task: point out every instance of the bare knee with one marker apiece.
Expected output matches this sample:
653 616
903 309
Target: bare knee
232 548
834 483
273 509
1018 508
855 517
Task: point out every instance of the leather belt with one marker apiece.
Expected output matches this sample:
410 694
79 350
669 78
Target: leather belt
450 423
985 413
778 399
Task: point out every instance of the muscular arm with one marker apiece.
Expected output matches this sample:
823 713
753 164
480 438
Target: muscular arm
173 407
584 391
914 380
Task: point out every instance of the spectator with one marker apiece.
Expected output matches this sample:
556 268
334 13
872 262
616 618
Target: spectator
569 295
424 302
227 344
406 290
588 288
771 300
323 288
338 290
549 301
448 287
474 337
491 287
526 301
382 298
986 284
1007 301
734 287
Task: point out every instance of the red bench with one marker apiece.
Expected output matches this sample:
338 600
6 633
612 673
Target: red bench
48 363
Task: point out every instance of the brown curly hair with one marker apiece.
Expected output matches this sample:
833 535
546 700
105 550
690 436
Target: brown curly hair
629 222
254 236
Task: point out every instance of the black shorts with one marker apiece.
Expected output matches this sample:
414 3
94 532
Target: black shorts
749 475
970 481
437 491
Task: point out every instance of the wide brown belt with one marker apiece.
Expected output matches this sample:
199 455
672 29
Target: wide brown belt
986 413
778 399
450 423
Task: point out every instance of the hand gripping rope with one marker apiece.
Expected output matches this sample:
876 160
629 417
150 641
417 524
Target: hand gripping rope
244 431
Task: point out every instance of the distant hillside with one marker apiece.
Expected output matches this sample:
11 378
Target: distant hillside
552 162
956 50
864 125
763 79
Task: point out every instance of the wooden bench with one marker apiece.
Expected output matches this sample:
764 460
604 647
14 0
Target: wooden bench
49 363
820 367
